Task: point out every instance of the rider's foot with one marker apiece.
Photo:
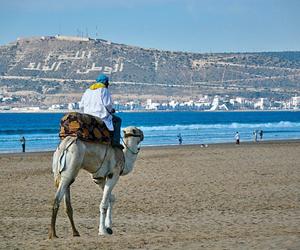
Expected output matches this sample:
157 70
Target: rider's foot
120 146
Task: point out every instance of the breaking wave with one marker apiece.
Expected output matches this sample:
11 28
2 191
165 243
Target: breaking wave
28 131
234 125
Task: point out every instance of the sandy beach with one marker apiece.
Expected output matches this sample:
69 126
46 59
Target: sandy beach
182 197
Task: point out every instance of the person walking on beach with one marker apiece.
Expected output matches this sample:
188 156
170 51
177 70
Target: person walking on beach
23 141
237 138
97 101
179 138
255 135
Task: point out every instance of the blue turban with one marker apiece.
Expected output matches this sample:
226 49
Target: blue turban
102 78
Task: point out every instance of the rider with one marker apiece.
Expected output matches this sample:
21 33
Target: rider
97 101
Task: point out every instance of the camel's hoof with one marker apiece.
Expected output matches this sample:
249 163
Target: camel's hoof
106 231
76 234
109 230
52 236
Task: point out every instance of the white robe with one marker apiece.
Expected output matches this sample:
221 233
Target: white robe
98 103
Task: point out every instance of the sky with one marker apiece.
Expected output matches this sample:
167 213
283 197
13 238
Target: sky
174 25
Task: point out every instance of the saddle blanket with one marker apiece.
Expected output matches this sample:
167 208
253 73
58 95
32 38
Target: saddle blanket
85 127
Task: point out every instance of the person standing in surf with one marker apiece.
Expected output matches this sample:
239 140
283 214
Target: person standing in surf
23 142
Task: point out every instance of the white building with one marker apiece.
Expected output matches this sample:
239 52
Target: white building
296 101
151 105
56 107
215 103
72 38
261 104
240 100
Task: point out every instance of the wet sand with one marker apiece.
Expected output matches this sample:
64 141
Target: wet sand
182 197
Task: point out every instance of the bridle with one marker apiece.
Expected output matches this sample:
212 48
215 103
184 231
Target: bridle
131 135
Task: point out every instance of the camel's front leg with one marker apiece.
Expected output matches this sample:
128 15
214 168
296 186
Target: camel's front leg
108 218
105 205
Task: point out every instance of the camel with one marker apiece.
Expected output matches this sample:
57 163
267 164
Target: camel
105 163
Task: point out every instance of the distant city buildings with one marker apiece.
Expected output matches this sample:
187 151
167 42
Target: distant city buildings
223 103
204 103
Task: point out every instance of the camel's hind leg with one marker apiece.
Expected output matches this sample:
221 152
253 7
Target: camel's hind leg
58 197
69 211
66 165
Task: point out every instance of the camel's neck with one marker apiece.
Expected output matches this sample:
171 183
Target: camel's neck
130 153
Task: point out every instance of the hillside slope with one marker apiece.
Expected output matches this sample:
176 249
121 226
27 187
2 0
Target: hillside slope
61 67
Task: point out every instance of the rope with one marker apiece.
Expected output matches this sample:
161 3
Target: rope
135 153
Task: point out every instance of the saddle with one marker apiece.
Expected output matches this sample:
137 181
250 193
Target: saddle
84 127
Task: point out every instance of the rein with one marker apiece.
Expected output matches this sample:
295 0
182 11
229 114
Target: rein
130 150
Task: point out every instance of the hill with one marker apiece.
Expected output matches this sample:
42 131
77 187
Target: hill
58 69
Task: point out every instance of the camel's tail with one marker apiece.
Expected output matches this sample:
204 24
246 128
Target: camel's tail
59 158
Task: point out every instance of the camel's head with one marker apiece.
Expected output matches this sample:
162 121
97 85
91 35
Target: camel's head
133 132
132 137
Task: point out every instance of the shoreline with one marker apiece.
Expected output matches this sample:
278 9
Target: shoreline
183 146
63 111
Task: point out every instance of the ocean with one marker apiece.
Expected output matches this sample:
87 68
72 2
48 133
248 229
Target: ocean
160 128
